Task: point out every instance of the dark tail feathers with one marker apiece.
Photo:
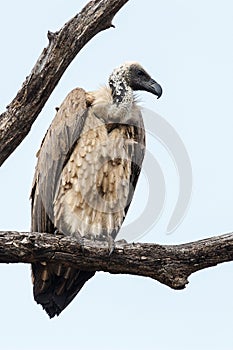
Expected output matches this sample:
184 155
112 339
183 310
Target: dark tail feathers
55 286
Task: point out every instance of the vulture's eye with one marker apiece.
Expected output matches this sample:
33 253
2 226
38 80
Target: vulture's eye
140 73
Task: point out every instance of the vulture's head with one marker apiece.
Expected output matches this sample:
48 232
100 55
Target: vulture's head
135 76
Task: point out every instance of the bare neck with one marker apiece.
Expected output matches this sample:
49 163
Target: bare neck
122 93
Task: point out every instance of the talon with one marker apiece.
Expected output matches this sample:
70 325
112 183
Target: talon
81 242
111 245
57 232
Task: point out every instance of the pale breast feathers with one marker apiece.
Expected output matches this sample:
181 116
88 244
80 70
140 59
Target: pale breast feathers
90 168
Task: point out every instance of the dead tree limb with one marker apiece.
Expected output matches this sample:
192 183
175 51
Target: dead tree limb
64 45
170 265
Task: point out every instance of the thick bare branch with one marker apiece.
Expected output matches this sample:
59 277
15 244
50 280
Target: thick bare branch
170 265
64 45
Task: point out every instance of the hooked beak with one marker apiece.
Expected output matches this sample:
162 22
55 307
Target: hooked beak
155 88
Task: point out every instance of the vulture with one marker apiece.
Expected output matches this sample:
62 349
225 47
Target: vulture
86 173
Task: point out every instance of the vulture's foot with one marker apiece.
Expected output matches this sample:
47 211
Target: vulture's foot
58 233
80 241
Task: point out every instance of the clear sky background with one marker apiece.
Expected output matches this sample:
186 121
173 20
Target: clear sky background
187 47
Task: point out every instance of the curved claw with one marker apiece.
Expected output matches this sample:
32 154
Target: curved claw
81 242
111 244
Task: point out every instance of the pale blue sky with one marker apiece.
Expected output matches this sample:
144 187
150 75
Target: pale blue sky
187 47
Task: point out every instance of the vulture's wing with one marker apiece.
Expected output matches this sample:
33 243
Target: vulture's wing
137 154
55 286
55 149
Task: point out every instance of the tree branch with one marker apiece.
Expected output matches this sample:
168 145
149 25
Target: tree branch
170 265
64 45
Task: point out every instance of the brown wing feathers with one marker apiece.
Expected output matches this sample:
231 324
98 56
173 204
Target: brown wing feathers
54 286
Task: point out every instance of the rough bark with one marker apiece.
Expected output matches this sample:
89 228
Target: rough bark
170 265
64 45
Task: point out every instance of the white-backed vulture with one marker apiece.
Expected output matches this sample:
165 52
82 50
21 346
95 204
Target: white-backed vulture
88 166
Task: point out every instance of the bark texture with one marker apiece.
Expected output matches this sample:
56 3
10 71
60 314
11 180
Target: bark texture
64 45
170 265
